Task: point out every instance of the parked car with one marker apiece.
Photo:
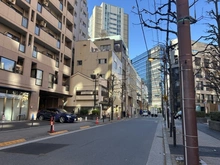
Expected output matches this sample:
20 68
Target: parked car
59 114
145 113
178 115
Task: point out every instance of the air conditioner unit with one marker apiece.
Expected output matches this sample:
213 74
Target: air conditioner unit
43 24
11 1
45 2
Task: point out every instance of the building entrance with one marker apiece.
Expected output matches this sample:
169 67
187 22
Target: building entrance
13 105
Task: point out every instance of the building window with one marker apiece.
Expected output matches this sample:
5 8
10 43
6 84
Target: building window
61 6
199 85
79 62
19 65
102 61
39 7
197 61
21 48
37 30
51 80
39 77
206 63
34 53
24 22
199 74
58 44
105 47
7 64
59 25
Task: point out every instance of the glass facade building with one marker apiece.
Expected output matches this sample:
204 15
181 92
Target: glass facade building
140 65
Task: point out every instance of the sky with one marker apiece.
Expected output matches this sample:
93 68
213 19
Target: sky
137 37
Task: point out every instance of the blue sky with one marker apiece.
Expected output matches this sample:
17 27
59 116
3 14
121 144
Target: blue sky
136 39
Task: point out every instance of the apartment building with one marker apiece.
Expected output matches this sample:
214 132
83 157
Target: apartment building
206 98
108 20
37 40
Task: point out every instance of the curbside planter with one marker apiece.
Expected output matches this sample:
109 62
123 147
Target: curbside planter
215 125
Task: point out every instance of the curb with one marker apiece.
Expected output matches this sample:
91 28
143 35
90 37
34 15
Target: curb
168 160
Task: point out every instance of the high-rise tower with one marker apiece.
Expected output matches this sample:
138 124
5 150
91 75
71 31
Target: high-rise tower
108 20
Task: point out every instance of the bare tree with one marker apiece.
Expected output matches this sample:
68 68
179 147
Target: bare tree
212 52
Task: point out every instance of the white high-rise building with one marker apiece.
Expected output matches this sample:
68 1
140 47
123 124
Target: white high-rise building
108 20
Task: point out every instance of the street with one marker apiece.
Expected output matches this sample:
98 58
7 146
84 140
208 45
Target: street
127 142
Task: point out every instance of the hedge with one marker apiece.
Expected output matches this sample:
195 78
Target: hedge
215 116
200 114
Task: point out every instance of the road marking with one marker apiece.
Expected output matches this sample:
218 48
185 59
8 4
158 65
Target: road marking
8 143
84 127
58 132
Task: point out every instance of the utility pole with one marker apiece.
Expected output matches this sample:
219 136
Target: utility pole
95 94
112 99
190 137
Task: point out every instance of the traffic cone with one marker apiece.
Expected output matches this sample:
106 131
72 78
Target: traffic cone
97 121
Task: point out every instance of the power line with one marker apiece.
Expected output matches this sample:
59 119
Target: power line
142 29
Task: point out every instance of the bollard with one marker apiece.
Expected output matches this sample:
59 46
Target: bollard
174 135
86 118
3 119
171 127
32 119
51 124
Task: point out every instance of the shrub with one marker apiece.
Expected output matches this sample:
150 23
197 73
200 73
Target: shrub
84 112
95 112
215 116
200 114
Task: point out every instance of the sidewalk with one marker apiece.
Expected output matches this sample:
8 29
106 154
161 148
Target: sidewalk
209 147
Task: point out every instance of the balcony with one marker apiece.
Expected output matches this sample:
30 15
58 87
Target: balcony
11 44
66 70
70 17
69 34
46 38
50 18
9 14
67 51
43 59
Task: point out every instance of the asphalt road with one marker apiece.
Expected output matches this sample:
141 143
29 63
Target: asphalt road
126 142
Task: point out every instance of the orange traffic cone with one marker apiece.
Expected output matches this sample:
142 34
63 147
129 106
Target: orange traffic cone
97 121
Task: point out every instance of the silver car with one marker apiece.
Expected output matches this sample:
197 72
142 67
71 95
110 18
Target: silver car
145 113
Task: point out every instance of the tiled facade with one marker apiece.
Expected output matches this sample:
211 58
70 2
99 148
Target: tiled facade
206 99
37 40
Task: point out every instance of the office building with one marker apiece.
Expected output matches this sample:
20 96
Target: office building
140 64
109 20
